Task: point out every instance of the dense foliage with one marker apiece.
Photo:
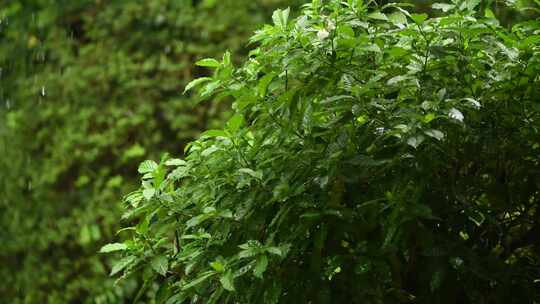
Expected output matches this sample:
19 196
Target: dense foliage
375 156
87 88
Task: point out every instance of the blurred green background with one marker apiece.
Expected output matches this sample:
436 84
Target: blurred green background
88 89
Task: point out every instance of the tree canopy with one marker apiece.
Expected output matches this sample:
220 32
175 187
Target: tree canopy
375 155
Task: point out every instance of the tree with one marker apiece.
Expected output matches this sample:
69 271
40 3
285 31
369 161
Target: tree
376 155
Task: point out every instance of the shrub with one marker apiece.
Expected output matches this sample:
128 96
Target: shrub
87 88
375 156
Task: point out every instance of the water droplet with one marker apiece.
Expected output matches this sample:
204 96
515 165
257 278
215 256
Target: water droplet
43 91
29 185
8 104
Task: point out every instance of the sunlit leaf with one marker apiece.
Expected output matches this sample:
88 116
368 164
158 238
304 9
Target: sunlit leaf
160 264
113 247
147 166
123 263
208 62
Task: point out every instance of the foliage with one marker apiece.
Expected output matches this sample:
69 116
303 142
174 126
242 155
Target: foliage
376 155
87 88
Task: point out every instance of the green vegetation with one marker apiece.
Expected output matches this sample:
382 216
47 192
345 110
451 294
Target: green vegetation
87 89
375 156
362 152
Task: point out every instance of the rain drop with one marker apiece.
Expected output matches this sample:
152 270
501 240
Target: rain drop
43 91
8 104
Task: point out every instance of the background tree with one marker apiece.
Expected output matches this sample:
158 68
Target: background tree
87 88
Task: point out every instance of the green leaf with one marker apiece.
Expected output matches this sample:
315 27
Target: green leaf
488 13
210 88
175 162
215 133
398 18
226 58
134 198
121 264
227 281
160 264
256 174
275 250
176 299
264 82
260 266
346 31
428 117
217 266
209 151
235 122
378 16
371 47
147 166
419 18
196 82
397 79
196 220
203 277
472 4
445 7
142 226
247 253
280 17
113 247
149 193
415 141
226 213
435 134
208 62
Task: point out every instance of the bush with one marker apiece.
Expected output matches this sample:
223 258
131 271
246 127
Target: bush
375 156
88 88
